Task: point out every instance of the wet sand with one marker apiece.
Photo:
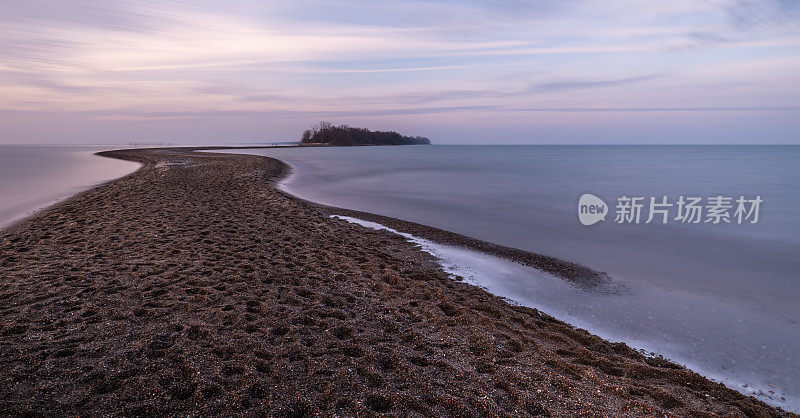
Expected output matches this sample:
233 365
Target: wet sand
193 286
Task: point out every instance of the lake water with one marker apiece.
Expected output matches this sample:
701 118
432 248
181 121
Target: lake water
719 298
32 177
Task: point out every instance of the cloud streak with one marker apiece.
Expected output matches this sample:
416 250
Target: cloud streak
143 60
589 84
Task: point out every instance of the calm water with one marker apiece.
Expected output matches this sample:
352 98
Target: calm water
721 299
32 177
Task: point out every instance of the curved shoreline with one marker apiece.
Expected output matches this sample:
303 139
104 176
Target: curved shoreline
579 275
53 204
194 286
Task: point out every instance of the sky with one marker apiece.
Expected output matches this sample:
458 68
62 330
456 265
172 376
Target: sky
469 71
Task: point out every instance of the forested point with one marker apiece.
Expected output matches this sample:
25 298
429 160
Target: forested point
343 135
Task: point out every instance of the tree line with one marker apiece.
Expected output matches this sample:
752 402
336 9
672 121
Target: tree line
327 133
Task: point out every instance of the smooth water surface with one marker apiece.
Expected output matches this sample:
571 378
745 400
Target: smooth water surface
32 177
721 299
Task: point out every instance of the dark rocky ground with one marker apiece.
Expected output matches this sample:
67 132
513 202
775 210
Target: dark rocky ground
194 287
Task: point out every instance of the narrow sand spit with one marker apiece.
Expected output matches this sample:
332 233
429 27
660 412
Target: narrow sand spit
193 286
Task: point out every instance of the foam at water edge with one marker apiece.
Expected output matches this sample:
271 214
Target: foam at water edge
486 271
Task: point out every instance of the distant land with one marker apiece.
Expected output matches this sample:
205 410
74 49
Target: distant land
325 133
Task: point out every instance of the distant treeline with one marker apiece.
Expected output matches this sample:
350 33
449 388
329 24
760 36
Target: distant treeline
326 133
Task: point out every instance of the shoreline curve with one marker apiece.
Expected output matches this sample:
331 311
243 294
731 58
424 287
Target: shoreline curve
193 285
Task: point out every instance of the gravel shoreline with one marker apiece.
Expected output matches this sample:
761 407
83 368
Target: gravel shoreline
194 286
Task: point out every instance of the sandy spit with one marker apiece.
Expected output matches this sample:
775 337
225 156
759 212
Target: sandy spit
193 286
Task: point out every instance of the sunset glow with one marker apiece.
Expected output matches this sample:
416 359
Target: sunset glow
459 72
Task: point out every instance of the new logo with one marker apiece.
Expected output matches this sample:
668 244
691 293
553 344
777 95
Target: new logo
591 209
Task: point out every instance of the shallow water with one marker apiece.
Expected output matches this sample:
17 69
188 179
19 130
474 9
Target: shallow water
32 177
721 299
